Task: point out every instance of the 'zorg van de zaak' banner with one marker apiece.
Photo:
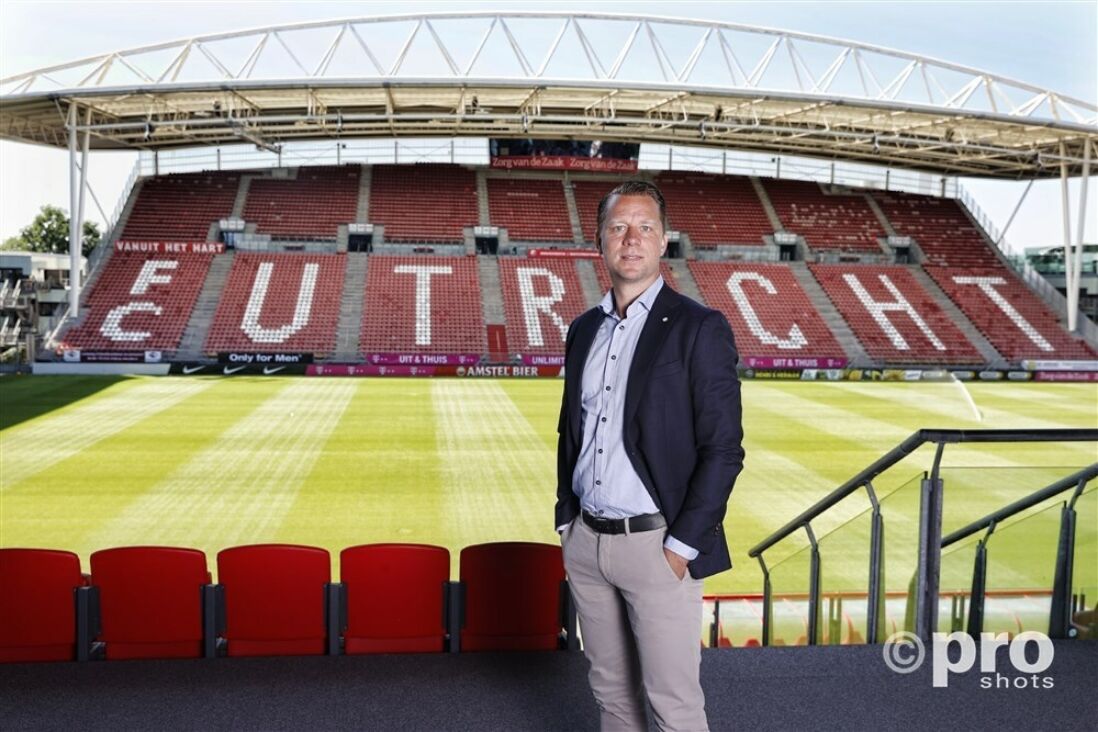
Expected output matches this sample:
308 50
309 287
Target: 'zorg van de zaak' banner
564 162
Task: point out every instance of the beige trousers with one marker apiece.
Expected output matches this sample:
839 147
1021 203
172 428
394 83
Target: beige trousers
641 628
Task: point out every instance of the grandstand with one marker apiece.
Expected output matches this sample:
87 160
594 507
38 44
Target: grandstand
181 207
842 222
531 210
415 301
423 202
311 205
279 302
714 209
422 304
140 302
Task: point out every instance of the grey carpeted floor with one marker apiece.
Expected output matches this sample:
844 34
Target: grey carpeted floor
775 688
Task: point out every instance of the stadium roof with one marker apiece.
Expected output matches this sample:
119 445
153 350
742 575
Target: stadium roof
557 75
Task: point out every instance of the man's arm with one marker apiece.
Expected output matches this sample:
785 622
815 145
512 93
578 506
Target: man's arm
718 434
564 511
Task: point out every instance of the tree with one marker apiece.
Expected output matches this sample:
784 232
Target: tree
49 232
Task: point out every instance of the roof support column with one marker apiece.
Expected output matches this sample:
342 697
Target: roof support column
1073 259
1073 286
84 185
76 185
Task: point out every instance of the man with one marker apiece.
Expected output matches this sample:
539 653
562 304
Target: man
649 449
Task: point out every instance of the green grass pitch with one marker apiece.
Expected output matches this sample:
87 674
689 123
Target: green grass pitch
94 462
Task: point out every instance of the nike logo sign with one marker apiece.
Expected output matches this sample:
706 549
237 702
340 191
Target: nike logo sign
267 370
228 370
192 369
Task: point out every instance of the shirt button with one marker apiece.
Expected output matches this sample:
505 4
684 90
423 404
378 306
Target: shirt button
613 358
621 327
598 482
600 451
608 388
604 419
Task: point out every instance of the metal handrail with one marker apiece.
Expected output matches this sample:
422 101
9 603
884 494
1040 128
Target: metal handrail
925 583
1069 482
905 448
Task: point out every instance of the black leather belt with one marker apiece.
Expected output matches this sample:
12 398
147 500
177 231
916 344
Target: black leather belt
630 525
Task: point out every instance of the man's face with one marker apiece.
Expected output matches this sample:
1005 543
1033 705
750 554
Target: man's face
632 239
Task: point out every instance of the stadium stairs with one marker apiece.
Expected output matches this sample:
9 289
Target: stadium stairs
767 204
242 195
484 216
491 297
745 688
853 348
190 346
350 308
573 212
468 192
589 281
683 280
880 214
362 208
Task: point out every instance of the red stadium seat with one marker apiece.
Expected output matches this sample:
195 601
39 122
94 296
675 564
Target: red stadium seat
150 601
831 221
140 301
395 597
714 209
38 613
310 206
541 296
424 202
450 297
531 210
513 596
181 207
278 303
274 599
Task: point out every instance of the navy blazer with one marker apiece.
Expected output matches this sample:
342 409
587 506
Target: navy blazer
682 426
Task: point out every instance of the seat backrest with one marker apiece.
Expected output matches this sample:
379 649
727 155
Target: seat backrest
512 596
38 610
274 599
150 601
395 597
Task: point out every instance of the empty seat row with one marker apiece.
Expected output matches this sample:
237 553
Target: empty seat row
842 222
894 318
141 301
423 202
312 205
273 302
422 304
715 209
181 207
278 599
940 227
769 311
530 209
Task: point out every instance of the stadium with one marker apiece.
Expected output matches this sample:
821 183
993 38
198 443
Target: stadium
295 417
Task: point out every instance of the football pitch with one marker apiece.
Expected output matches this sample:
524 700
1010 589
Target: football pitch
94 462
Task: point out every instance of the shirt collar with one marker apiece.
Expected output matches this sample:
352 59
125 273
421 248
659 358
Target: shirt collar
646 299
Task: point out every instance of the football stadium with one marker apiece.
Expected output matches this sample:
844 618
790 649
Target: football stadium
281 451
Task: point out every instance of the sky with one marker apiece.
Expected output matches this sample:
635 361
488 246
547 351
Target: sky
1050 44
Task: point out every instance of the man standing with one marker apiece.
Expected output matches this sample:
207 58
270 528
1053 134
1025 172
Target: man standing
649 450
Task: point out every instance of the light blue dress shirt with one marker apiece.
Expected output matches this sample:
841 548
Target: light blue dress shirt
604 478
